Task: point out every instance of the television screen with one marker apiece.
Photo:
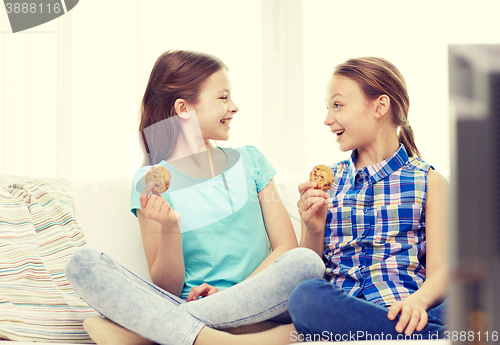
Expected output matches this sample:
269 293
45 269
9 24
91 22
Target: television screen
474 86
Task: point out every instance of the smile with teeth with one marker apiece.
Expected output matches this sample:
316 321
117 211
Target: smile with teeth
339 132
226 121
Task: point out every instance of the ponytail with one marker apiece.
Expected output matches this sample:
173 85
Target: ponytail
407 139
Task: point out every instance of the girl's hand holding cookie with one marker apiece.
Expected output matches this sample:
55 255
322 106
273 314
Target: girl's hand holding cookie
312 206
323 176
160 177
313 198
155 207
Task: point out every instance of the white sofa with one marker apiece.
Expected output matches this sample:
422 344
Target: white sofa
102 212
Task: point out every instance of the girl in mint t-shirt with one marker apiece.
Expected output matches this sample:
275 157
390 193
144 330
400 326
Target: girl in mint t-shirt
206 236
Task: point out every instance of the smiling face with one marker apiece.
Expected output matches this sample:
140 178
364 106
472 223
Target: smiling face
350 115
215 108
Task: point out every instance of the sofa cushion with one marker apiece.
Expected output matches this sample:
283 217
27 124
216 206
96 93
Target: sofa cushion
103 212
38 233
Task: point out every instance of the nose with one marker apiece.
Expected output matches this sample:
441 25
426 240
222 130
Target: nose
330 118
233 108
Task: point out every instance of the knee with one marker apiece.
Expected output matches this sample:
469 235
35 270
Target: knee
304 300
304 296
317 305
79 265
307 263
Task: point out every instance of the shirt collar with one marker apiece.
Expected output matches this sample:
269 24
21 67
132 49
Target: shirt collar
379 170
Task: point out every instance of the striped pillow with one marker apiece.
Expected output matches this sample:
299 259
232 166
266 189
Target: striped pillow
38 233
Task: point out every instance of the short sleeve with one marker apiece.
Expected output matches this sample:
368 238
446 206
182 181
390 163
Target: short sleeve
263 171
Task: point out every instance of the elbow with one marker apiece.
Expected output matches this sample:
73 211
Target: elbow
291 245
286 246
174 288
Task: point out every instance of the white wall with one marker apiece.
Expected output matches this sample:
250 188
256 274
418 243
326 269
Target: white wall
414 36
106 56
70 89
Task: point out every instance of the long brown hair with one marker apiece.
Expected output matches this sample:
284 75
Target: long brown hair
176 74
375 77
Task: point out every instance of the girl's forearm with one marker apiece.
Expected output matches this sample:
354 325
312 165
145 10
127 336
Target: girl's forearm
314 242
433 290
168 269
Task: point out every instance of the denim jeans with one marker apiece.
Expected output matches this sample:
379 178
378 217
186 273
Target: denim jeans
164 318
322 311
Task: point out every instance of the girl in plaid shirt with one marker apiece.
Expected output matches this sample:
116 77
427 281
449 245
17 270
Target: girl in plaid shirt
381 228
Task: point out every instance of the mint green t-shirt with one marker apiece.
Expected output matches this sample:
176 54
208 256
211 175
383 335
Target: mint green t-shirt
224 238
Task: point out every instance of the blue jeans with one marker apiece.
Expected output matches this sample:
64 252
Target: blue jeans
164 318
322 311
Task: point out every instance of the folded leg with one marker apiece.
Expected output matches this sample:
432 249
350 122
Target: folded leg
130 301
322 311
262 297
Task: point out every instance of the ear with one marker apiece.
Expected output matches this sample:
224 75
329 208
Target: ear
180 107
382 104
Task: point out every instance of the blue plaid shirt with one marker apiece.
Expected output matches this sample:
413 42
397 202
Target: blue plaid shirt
375 228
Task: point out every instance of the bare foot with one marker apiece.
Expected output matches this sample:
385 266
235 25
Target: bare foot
106 332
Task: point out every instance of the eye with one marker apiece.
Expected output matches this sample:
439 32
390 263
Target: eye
224 98
337 105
